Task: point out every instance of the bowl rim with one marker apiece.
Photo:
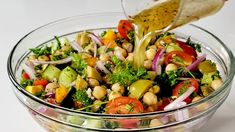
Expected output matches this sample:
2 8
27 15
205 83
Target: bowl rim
97 115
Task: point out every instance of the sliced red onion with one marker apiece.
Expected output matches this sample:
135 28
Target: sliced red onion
195 63
62 61
50 95
155 64
76 46
181 114
185 78
95 39
101 66
29 69
181 98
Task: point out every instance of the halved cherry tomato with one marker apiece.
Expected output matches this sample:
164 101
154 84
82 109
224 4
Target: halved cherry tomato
124 105
183 86
179 58
186 48
42 82
124 26
25 75
165 102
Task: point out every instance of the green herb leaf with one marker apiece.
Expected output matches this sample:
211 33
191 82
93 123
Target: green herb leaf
82 97
78 63
44 50
196 46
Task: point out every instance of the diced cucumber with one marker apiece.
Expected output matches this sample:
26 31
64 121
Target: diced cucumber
35 90
51 72
67 76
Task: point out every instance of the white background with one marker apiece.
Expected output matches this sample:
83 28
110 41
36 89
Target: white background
18 17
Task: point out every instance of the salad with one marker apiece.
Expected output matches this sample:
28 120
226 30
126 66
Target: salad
96 72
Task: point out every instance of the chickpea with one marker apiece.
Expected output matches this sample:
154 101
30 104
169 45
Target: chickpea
149 98
123 51
155 123
153 47
130 57
104 57
96 106
51 87
200 107
127 46
155 89
66 48
93 82
59 52
118 88
150 53
215 84
32 57
99 92
114 95
43 58
147 64
171 67
196 98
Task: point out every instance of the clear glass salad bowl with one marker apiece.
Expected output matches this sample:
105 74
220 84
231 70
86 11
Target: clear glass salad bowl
56 118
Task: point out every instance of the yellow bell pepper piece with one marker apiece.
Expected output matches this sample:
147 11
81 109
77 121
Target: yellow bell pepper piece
35 90
81 83
138 88
61 93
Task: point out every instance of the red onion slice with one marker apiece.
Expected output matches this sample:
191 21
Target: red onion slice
29 69
101 66
119 55
155 63
195 63
63 61
106 48
76 46
182 114
181 98
95 39
95 49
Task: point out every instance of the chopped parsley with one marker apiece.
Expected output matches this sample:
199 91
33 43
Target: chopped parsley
82 97
78 63
44 50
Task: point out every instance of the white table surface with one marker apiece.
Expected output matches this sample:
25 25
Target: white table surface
18 17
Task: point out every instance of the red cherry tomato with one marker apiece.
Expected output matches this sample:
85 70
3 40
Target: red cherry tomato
42 82
25 75
179 58
187 49
124 26
124 105
183 86
165 102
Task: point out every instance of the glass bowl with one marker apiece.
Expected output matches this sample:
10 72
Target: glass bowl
56 118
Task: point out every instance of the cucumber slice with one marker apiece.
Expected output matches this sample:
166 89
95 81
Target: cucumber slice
67 76
51 72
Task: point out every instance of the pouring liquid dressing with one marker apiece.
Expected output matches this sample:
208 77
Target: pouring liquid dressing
164 15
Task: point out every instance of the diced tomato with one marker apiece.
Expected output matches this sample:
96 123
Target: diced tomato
179 58
165 102
25 75
186 48
124 105
42 82
124 27
183 86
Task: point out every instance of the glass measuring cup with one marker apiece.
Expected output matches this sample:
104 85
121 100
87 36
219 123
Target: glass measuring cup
151 17
169 14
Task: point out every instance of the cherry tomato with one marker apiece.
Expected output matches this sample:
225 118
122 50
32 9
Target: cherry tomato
25 75
124 27
42 82
165 102
186 48
124 105
183 86
179 58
